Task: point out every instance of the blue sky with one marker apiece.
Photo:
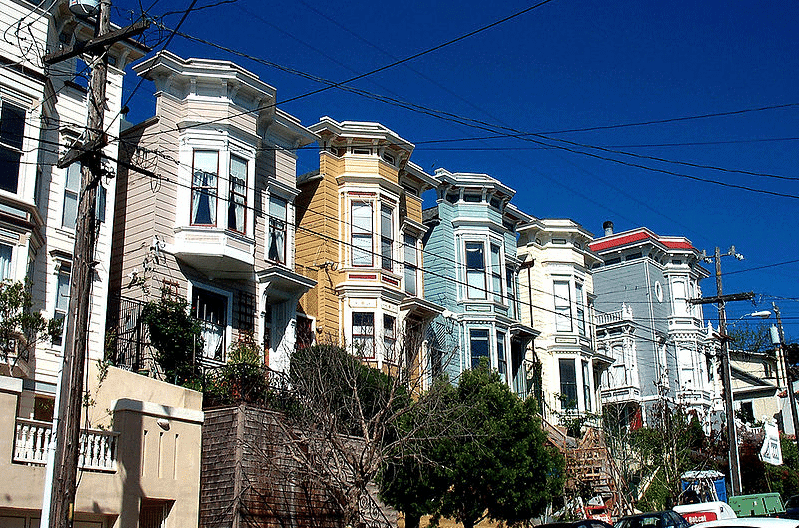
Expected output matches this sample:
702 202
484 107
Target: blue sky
564 65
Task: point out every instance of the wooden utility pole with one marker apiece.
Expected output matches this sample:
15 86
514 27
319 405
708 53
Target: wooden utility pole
67 434
788 380
720 299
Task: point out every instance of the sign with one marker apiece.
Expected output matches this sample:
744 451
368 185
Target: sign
771 452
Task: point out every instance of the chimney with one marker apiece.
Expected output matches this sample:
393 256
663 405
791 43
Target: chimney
608 227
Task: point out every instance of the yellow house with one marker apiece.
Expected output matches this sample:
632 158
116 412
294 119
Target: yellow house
359 236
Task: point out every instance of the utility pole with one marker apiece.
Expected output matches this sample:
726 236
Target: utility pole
70 398
720 299
788 380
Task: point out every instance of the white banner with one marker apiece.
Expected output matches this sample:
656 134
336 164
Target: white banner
771 452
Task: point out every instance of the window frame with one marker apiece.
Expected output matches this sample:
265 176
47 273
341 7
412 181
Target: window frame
11 145
472 271
362 237
61 311
233 194
579 294
387 239
495 252
197 191
479 335
390 338
367 351
563 306
411 271
220 354
71 195
502 356
568 384
277 226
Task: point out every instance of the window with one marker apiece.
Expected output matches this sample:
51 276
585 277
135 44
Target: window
237 203
388 158
6 253
686 366
510 287
71 189
211 309
12 127
586 386
502 362
568 383
475 270
472 198
99 212
478 346
563 307
205 168
679 295
245 309
305 336
363 334
747 413
452 197
278 210
362 151
362 234
496 273
62 300
389 338
43 408
410 264
578 292
386 238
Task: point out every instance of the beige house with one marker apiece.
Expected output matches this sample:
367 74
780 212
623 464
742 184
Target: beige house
755 391
556 289
214 224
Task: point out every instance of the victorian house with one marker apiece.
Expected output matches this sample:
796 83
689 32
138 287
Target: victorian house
359 236
557 293
660 349
211 217
471 269
131 425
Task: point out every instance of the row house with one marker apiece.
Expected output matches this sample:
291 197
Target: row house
660 346
557 292
359 236
212 221
471 269
43 113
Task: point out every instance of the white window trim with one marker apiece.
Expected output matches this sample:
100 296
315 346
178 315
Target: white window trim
229 306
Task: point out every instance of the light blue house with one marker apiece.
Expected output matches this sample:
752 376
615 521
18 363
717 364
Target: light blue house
471 269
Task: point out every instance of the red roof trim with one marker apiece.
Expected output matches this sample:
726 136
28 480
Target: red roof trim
677 244
621 241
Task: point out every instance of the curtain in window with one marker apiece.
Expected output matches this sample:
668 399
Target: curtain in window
237 205
361 234
203 189
363 334
475 270
278 210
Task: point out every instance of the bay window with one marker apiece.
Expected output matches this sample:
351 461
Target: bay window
211 309
475 270
6 253
496 273
478 346
586 386
62 300
510 287
205 168
568 383
410 264
578 292
71 189
563 306
12 127
502 362
237 201
389 338
362 234
386 238
363 334
278 214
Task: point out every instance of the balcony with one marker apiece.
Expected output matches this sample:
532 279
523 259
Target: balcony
621 394
217 252
98 449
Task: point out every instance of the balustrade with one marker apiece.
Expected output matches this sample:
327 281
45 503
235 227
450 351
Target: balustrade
98 449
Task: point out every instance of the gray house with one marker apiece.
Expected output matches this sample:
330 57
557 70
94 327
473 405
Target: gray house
660 348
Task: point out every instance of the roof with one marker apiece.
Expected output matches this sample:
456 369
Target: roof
638 235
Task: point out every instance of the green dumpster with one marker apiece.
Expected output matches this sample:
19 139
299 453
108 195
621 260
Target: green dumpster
758 504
